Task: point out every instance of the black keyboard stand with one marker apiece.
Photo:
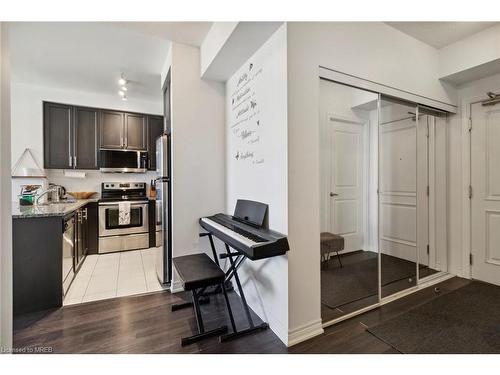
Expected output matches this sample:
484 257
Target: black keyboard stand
235 260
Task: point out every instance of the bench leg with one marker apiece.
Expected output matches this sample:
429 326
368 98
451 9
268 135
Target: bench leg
338 257
199 319
202 334
202 300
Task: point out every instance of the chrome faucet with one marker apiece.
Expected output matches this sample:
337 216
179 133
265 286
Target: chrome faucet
49 190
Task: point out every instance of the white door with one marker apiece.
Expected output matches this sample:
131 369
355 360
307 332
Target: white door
347 182
485 202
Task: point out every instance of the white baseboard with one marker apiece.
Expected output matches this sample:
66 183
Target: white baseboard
305 332
176 287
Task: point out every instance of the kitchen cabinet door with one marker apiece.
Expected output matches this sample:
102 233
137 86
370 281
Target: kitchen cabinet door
86 130
155 130
135 132
57 136
112 129
92 228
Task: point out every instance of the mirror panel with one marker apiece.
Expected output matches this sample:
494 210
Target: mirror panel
398 164
348 150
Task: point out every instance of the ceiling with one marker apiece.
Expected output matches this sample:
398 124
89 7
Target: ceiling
191 33
440 34
90 56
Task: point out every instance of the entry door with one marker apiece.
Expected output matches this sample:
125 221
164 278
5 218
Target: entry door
347 182
485 201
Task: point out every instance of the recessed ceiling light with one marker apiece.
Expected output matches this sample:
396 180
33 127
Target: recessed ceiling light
124 97
121 93
124 88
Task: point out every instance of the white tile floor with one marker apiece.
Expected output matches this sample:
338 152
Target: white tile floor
114 275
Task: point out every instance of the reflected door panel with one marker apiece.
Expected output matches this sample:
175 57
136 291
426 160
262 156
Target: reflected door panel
346 195
398 163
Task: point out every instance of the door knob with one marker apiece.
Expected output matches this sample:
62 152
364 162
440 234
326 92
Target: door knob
333 194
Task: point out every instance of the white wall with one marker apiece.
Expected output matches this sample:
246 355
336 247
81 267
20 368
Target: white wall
263 175
470 56
372 51
27 129
198 152
5 204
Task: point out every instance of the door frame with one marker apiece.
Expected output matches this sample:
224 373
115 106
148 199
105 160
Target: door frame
331 116
467 124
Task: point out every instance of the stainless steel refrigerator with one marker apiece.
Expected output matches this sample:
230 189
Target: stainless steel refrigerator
163 211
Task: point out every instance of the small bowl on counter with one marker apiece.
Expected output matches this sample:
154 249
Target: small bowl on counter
81 194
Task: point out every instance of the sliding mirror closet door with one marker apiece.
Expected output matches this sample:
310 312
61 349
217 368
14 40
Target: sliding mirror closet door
402 162
348 159
431 165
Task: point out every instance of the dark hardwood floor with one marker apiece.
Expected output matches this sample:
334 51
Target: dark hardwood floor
145 324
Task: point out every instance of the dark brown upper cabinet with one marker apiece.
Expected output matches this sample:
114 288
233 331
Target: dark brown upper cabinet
57 136
73 135
155 130
69 136
135 132
112 129
121 130
86 133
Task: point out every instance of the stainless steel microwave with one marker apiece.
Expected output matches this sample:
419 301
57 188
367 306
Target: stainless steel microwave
123 161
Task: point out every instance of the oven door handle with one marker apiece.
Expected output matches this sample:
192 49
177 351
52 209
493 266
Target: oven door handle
132 203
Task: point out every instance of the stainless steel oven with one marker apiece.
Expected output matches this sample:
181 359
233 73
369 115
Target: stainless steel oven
109 223
116 237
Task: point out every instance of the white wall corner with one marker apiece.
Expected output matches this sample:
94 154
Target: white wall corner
166 66
228 45
305 332
471 58
215 39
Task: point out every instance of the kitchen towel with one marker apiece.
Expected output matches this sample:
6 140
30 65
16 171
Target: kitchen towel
123 213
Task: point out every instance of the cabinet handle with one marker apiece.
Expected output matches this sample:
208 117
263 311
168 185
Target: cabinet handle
74 161
70 161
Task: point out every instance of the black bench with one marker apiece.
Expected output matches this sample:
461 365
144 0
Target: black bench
198 272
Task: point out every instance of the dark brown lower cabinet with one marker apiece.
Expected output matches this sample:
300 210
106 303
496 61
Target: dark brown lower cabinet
37 263
38 256
92 228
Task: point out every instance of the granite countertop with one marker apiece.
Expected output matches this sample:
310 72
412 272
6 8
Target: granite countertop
48 210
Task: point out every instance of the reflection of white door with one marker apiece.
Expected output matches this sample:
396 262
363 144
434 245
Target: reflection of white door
485 202
347 143
400 195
